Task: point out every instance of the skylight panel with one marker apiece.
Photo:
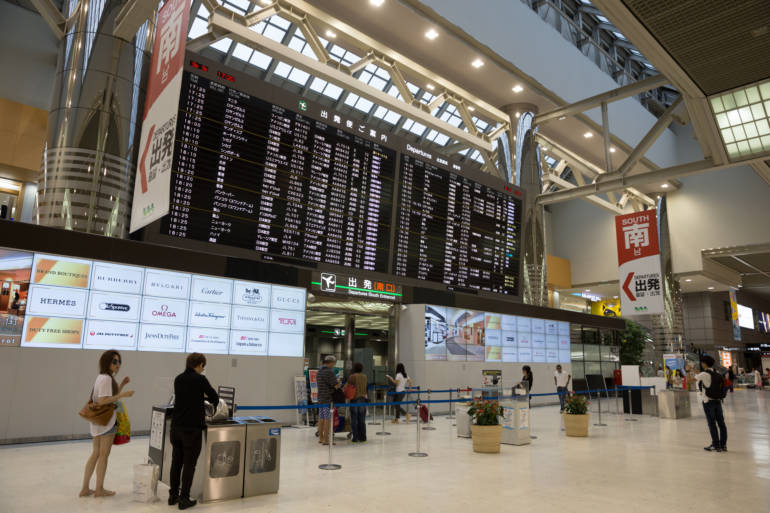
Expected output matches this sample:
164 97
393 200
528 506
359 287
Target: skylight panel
298 76
242 52
260 60
223 45
392 117
283 69
333 91
198 28
274 33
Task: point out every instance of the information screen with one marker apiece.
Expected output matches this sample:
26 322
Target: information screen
459 334
78 303
453 230
253 174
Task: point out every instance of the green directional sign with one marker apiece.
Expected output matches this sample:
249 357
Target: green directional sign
302 105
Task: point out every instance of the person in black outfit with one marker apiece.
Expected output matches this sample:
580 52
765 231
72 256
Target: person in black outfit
187 425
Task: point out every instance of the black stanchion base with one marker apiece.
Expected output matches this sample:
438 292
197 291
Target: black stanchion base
428 428
330 466
418 454
601 425
382 433
632 420
372 423
532 437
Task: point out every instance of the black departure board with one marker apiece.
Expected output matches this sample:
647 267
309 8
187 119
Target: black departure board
253 174
456 231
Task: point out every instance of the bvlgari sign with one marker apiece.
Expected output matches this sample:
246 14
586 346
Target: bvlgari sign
360 286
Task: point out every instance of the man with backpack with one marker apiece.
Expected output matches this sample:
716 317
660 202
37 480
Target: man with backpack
712 389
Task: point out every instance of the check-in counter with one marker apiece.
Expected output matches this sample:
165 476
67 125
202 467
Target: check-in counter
674 404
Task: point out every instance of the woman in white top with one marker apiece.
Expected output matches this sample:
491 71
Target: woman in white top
401 381
105 391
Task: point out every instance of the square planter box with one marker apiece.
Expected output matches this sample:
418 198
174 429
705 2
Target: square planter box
486 438
576 425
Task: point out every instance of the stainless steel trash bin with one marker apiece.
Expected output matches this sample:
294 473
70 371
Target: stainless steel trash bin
219 472
263 455
160 450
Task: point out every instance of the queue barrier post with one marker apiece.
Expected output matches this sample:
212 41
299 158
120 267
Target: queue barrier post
600 423
531 436
630 417
383 432
374 409
617 406
428 427
451 415
330 465
418 453
655 391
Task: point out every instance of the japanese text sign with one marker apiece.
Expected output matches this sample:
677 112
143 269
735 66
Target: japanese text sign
641 280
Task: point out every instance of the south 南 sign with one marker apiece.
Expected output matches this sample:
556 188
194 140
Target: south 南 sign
360 286
641 280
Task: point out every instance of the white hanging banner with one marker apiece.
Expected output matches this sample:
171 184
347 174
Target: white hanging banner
641 279
164 86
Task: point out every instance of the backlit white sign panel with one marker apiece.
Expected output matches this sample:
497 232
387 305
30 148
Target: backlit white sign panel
209 315
166 284
117 278
215 290
288 298
164 311
114 307
286 344
287 321
248 293
157 337
56 301
248 318
110 335
249 342
207 340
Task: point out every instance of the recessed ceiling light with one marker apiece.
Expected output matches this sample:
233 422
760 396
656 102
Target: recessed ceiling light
711 288
665 186
431 34
518 114
517 88
376 3
331 34
588 290
471 108
544 148
477 63
431 87
612 150
688 280
562 118
588 135
614 297
266 2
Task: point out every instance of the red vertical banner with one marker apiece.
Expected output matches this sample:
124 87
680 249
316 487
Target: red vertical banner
641 279
161 106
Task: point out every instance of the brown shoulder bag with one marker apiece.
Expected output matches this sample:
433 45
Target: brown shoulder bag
96 413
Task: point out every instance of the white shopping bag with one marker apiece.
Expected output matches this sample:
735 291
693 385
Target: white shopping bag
146 482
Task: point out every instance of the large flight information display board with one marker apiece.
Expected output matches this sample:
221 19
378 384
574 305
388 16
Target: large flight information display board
255 175
456 231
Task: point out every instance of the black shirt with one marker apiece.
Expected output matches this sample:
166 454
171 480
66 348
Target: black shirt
326 380
189 391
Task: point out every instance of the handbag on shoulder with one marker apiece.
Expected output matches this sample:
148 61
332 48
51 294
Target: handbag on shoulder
96 413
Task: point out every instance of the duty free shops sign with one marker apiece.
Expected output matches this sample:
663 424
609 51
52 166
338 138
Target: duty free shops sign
641 280
360 286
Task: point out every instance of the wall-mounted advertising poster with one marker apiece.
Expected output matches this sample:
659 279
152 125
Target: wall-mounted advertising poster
15 272
493 337
285 344
509 337
641 280
436 329
162 338
61 271
110 335
459 333
53 332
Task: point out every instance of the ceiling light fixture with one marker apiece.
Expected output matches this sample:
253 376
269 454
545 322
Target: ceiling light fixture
544 148
477 63
665 185
711 288
470 108
688 280
518 114
743 120
266 2
331 34
588 135
562 118
517 88
430 87
612 150
431 34
376 3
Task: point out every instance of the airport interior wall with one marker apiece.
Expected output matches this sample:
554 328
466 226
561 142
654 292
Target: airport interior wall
45 388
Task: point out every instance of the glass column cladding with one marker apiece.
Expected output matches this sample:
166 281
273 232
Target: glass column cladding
93 127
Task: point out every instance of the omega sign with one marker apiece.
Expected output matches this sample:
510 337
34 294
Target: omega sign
164 311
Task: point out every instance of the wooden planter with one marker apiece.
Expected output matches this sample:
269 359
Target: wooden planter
576 425
486 438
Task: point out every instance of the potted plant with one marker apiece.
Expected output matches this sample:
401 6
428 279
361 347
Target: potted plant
576 416
486 429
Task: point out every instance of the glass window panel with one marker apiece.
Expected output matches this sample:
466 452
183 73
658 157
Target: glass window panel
752 93
392 117
716 104
282 69
763 128
318 85
407 124
578 370
750 129
259 27
274 33
297 44
732 149
729 101
380 112
308 52
767 107
281 22
299 76
333 91
203 12
431 135
764 90
223 45
739 133
382 73
604 351
337 51
394 92
351 99
260 59
241 4
363 105
608 368
417 128
734 117
591 352
757 111
765 142
593 368
242 52
365 76
378 83
441 139
199 27
743 147
413 88
756 145
745 113
576 352
727 135
740 98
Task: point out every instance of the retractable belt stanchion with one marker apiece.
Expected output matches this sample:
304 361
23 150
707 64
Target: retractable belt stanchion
617 406
630 417
655 391
529 399
418 453
600 423
383 432
451 415
330 465
419 412
374 409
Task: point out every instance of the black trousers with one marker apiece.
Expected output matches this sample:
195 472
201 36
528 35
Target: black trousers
186 449
715 418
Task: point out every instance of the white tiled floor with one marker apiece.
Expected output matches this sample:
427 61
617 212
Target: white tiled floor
649 465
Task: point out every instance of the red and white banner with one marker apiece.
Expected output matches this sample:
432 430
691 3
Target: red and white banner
161 105
641 280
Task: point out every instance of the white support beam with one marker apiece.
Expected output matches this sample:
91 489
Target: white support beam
595 101
204 40
132 16
657 129
234 27
565 185
52 16
259 15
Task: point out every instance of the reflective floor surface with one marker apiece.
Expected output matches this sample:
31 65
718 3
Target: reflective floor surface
649 465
